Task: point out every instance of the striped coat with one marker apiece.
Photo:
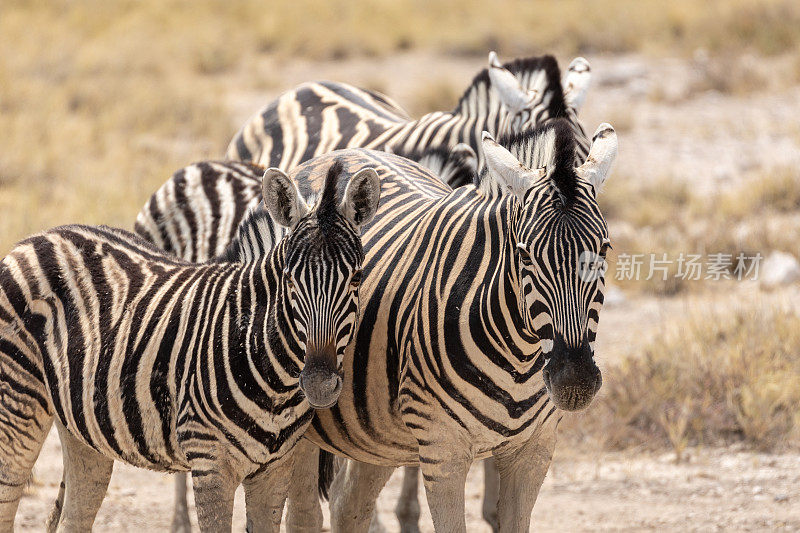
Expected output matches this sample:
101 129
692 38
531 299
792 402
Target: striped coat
315 118
477 328
175 366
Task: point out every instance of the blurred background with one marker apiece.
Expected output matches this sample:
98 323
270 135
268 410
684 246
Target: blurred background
698 422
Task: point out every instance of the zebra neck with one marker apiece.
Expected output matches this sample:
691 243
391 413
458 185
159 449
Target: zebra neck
522 344
438 129
491 318
266 339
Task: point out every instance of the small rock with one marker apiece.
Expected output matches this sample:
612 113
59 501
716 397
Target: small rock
778 269
780 498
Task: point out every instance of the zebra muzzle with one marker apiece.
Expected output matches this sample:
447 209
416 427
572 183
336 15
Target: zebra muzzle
320 384
571 376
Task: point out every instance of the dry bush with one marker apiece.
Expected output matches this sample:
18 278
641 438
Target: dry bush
776 190
715 378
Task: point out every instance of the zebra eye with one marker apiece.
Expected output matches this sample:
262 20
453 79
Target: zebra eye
524 256
289 280
604 248
355 281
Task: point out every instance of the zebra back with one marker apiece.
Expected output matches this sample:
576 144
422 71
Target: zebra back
316 118
197 212
147 358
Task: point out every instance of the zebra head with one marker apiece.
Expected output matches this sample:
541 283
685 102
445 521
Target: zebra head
525 105
560 240
322 273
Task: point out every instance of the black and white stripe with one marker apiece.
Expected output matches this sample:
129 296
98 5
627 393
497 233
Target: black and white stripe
193 214
477 322
316 118
145 358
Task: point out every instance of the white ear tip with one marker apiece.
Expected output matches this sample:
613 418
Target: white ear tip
493 60
270 171
579 65
603 130
486 136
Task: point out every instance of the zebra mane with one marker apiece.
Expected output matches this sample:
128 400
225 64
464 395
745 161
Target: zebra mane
540 73
327 206
256 236
452 165
258 233
550 146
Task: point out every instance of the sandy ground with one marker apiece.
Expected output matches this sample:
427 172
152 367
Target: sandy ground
712 140
716 489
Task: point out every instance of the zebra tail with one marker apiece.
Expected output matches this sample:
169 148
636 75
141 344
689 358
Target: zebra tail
326 473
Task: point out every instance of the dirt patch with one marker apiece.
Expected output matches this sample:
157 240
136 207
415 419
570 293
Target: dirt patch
716 489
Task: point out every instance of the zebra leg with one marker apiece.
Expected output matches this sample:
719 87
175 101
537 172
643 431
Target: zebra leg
445 477
407 508
214 490
522 472
180 513
55 512
353 493
491 492
86 476
304 513
265 494
24 425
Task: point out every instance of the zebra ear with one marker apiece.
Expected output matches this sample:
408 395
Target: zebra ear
512 94
601 156
282 198
576 83
506 169
361 197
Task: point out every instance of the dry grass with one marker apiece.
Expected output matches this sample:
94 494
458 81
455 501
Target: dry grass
215 32
101 101
714 378
94 117
775 191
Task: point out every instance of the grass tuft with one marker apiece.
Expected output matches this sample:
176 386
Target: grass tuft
714 378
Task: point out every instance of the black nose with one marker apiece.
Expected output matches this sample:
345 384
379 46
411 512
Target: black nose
320 380
321 387
571 375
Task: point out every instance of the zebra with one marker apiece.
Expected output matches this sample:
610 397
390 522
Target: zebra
194 216
517 317
477 329
212 367
316 118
